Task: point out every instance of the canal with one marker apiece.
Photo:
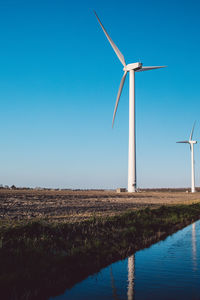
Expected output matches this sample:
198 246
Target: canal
168 270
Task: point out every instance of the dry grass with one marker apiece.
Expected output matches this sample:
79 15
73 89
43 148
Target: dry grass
70 206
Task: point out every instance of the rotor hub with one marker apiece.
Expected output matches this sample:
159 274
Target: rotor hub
134 66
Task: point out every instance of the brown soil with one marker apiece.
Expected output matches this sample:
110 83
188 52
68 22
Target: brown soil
73 206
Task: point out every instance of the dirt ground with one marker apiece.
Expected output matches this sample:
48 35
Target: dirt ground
71 206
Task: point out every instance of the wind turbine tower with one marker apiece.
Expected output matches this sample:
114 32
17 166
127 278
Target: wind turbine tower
131 68
191 143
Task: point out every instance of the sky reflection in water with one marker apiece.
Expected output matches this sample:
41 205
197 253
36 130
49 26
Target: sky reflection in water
169 269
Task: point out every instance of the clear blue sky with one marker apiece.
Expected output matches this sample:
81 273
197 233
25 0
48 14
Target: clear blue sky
59 79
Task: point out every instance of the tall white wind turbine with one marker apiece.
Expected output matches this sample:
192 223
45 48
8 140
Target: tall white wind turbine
191 143
131 68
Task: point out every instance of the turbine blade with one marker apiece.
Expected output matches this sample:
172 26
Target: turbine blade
149 68
118 96
191 134
119 54
184 142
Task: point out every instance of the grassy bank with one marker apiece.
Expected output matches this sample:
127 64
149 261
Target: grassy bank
40 259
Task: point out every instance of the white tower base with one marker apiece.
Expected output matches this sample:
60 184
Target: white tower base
132 150
192 169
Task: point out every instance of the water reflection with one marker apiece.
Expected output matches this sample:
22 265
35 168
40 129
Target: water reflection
166 270
113 285
131 274
194 246
130 280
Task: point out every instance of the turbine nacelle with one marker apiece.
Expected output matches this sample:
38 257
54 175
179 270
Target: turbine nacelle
134 66
193 142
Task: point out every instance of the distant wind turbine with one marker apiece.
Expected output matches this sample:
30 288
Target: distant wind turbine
131 68
191 142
